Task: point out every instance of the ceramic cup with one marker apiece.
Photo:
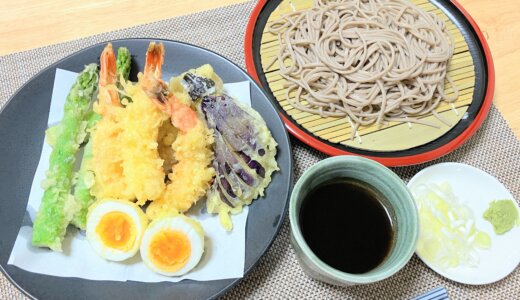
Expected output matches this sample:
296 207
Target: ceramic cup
399 203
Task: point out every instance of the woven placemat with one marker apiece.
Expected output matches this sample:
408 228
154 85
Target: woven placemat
494 149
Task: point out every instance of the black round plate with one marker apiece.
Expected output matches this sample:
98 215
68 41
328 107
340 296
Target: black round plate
22 124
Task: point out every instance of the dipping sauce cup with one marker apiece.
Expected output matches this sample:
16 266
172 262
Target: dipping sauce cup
396 198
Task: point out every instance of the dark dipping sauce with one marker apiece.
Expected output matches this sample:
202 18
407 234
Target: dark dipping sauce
346 225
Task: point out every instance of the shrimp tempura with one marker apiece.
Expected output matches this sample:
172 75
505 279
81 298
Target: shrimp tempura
192 174
142 166
106 150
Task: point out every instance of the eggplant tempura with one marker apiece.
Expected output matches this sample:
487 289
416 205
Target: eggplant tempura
244 155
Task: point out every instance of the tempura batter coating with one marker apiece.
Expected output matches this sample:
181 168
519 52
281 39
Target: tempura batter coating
192 172
191 175
106 136
142 166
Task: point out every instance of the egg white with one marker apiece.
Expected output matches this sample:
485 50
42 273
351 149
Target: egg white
189 227
104 207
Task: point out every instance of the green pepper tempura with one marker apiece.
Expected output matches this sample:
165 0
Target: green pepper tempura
58 206
86 178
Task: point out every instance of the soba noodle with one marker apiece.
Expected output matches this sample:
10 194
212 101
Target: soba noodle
371 61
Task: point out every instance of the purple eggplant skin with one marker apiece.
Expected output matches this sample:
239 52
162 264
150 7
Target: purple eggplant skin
244 151
227 187
224 115
224 155
232 178
217 186
197 86
226 198
253 164
235 142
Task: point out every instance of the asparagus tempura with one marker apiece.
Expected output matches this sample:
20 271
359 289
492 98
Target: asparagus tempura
58 206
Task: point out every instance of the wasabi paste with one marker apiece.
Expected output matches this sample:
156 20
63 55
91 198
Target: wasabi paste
502 214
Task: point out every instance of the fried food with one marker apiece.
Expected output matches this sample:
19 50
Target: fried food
107 156
191 175
244 155
192 172
58 206
85 176
142 165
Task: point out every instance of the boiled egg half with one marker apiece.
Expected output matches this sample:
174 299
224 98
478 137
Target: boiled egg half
172 246
115 228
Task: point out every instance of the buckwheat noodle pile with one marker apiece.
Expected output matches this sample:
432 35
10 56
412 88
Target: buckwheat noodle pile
371 61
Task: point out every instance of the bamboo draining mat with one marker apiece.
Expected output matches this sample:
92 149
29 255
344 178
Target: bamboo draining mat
394 136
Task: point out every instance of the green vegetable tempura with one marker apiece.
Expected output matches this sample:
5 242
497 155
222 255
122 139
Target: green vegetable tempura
58 206
503 215
123 62
85 180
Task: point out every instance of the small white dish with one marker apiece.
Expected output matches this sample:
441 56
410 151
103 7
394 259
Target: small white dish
476 189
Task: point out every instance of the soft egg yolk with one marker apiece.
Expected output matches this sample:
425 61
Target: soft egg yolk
117 230
170 250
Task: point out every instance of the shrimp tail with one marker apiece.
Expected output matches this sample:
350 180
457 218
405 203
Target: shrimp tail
154 60
108 74
182 116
